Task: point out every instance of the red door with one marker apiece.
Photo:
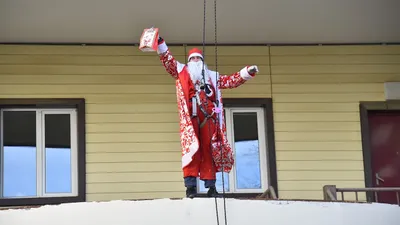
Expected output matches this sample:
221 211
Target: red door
385 152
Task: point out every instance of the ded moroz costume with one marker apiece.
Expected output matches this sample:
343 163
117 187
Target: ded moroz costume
199 107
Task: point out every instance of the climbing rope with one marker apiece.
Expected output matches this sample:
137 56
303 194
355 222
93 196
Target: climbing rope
217 125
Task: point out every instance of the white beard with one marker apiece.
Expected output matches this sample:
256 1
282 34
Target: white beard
195 69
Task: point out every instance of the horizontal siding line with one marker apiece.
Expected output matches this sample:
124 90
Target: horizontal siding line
328 52
130 142
333 102
320 160
318 121
134 182
102 84
325 73
134 65
313 131
140 152
134 132
132 192
89 74
133 113
123 172
328 141
127 123
142 162
321 170
318 150
334 64
131 132
111 74
132 123
326 92
333 180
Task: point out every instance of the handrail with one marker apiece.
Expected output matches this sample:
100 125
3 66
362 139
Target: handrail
330 192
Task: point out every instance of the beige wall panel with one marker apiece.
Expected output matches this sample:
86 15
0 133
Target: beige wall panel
134 157
315 69
317 126
316 117
134 177
132 118
132 108
134 195
317 185
320 175
106 98
133 167
83 79
320 156
332 165
131 137
329 97
134 187
333 78
327 88
171 127
335 59
51 50
318 146
336 50
316 107
81 69
132 147
318 136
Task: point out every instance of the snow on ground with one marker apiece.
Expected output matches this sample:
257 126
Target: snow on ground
202 212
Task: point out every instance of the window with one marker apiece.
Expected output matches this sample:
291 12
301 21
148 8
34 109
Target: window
41 153
250 133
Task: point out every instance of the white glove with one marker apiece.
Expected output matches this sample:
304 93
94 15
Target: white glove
252 69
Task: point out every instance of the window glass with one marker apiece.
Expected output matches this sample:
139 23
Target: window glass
19 145
247 164
57 153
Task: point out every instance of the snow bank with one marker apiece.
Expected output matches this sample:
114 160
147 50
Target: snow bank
202 212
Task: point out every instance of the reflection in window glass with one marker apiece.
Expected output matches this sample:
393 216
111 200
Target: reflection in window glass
58 153
247 165
19 145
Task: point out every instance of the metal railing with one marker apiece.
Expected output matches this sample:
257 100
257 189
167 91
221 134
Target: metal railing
330 193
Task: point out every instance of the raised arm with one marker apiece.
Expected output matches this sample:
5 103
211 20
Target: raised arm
172 66
238 78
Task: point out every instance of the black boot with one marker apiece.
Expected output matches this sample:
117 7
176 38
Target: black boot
191 192
212 192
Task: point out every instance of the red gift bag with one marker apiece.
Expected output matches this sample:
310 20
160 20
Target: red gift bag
149 40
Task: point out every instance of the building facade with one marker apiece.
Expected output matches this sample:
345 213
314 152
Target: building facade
98 123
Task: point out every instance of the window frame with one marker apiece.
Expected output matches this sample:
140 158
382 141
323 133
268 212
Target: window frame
245 105
51 106
262 148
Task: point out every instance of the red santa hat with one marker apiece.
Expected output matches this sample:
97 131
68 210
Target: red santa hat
195 52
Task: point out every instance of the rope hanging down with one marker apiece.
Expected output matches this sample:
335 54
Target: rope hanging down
216 97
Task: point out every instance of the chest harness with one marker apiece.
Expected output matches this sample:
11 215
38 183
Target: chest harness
202 89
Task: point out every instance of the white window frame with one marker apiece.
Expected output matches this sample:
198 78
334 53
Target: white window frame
40 152
264 166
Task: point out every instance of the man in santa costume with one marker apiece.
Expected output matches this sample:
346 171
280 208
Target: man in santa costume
205 147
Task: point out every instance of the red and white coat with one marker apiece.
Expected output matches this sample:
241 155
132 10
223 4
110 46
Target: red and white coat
189 141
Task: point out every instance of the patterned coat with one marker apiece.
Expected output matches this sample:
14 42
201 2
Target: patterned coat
189 140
